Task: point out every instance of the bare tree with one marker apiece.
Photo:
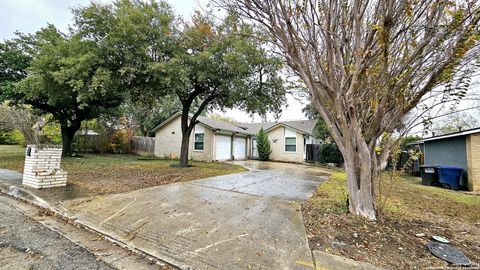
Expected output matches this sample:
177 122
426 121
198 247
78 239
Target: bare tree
20 118
366 64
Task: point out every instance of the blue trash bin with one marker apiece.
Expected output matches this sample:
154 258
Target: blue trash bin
449 177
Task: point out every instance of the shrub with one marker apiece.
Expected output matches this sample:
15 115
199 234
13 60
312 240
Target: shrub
263 145
17 137
12 137
120 141
6 137
51 133
329 153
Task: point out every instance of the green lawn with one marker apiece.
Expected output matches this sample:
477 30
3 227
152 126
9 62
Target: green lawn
391 242
114 173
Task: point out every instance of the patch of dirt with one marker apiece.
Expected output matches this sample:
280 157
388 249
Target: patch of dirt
391 242
132 177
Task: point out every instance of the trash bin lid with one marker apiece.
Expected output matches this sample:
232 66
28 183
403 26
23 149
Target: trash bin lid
450 168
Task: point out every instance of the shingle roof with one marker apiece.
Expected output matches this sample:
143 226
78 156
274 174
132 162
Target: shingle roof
255 127
453 134
305 126
222 125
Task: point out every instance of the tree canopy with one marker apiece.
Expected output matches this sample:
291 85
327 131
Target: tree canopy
15 57
68 78
205 64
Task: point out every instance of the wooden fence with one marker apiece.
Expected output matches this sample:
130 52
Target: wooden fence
312 154
406 164
143 145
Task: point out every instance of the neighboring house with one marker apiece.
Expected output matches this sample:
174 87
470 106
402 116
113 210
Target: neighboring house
459 149
219 140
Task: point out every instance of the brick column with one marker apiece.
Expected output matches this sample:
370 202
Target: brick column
42 167
473 162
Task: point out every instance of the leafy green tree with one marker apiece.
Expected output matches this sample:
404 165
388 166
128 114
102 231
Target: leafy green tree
70 79
222 66
329 153
203 64
264 147
15 57
321 130
408 139
223 118
138 37
147 115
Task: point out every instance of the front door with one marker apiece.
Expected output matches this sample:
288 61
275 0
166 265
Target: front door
254 148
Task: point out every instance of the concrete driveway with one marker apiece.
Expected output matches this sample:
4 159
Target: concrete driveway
250 220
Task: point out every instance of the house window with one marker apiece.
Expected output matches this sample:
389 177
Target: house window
199 141
290 144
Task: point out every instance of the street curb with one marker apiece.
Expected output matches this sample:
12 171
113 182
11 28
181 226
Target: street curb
321 260
326 261
32 199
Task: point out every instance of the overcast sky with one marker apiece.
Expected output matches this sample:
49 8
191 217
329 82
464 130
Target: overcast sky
28 16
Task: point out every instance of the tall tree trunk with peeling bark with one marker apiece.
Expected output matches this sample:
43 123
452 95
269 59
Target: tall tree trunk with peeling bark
361 170
366 64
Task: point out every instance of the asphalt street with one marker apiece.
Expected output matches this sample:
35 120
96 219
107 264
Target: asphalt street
27 244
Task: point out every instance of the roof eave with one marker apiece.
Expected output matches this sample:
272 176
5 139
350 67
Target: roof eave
452 135
168 120
287 126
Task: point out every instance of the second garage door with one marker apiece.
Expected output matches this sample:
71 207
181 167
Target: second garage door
240 148
223 147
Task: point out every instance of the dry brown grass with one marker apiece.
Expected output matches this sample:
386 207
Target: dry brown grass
102 174
391 242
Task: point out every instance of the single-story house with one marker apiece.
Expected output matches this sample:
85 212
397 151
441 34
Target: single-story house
459 149
220 140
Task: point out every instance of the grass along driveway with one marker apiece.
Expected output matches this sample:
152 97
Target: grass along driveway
391 242
113 173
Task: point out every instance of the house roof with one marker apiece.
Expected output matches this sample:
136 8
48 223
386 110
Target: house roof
222 125
451 135
303 126
255 127
88 132
211 123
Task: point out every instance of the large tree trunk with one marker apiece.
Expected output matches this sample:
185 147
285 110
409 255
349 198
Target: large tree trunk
360 186
362 170
186 131
184 150
187 124
68 133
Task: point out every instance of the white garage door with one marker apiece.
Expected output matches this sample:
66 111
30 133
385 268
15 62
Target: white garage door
240 147
223 147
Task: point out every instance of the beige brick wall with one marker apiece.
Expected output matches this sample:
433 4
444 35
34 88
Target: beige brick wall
42 167
207 152
473 160
168 140
277 140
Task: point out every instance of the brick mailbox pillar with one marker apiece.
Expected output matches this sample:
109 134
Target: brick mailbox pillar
42 167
